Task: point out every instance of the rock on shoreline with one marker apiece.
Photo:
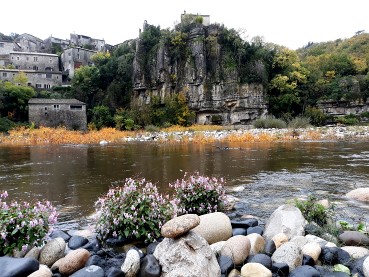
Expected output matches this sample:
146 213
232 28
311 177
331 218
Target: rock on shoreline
281 246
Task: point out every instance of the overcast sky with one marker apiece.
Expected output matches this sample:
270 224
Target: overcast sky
292 23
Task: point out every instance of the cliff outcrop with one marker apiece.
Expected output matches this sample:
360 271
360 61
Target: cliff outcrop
204 63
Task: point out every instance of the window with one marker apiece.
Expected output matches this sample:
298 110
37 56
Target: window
75 107
78 57
45 108
5 74
35 67
46 86
35 59
51 60
38 86
17 58
69 54
27 58
49 75
56 107
1 45
17 67
29 84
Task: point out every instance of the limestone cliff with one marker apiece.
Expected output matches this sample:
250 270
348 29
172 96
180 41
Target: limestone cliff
196 62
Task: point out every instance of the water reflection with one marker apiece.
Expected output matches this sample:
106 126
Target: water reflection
73 177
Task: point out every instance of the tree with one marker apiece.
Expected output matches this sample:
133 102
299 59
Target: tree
14 101
285 94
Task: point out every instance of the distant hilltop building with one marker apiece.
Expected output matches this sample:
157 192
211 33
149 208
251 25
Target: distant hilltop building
47 63
191 18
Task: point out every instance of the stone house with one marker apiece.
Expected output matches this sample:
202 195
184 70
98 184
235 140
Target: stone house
37 79
30 43
70 113
41 69
190 18
51 42
75 57
87 42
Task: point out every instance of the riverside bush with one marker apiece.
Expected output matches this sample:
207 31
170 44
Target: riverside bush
24 225
299 122
198 194
312 211
134 210
269 122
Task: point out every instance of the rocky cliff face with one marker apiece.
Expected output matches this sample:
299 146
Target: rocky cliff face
197 65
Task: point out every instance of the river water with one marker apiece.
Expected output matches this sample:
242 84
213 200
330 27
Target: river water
263 176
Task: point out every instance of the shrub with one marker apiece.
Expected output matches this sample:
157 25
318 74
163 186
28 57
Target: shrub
133 210
269 122
24 225
6 124
347 120
317 117
299 122
152 128
199 194
312 211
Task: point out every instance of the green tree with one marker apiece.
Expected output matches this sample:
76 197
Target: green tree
14 101
101 117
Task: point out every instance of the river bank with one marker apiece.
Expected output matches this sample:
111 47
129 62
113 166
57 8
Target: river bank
176 134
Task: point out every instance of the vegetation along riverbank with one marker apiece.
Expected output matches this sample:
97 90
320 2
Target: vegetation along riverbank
178 134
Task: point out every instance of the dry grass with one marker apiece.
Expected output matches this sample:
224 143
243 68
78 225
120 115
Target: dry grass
44 135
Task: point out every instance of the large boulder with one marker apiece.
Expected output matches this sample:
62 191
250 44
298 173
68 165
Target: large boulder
238 248
17 267
306 271
73 261
214 227
179 225
286 219
359 194
187 256
288 253
52 251
353 238
76 242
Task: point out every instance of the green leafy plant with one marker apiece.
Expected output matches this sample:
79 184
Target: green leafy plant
198 194
24 225
269 122
135 210
312 211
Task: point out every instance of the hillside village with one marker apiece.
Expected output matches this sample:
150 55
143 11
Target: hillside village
47 63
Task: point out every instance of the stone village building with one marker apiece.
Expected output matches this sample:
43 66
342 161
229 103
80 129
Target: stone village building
75 57
70 113
41 69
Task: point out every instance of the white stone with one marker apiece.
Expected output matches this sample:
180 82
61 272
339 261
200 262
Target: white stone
312 249
366 267
257 243
187 256
217 247
286 219
255 270
288 253
356 252
131 264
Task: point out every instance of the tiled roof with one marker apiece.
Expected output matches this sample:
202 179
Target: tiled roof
54 101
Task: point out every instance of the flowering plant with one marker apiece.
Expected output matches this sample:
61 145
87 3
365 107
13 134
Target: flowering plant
133 210
199 194
24 224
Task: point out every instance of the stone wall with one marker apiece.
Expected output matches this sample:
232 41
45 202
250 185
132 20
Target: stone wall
70 113
36 79
75 57
34 61
339 108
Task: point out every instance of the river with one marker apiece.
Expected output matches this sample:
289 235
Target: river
264 175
